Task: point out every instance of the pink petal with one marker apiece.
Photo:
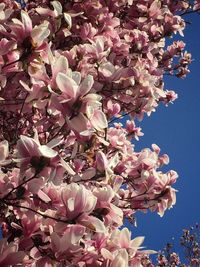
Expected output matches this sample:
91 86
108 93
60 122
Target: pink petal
40 33
92 223
125 237
88 174
27 147
77 232
107 69
99 120
16 257
67 85
60 65
79 123
44 11
55 242
101 161
26 22
43 196
86 85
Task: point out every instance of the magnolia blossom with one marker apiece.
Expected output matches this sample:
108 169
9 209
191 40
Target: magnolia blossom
29 151
10 256
24 29
78 99
75 77
77 200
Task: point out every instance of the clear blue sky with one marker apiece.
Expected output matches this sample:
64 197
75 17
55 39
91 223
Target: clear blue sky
176 130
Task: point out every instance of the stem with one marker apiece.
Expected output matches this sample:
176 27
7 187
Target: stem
121 116
190 12
15 61
17 187
17 124
37 212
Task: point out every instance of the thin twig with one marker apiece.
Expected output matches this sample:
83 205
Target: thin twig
45 216
17 187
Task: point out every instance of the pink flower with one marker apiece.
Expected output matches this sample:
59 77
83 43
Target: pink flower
30 223
77 200
101 161
120 259
82 105
69 243
24 29
30 151
9 254
113 108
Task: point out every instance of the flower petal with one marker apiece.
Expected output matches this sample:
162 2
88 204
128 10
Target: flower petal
76 76
39 33
60 65
79 123
68 19
66 166
4 150
27 147
86 85
98 120
136 242
67 85
27 23
47 151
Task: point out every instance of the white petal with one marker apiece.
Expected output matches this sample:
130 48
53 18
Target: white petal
68 19
136 242
66 166
67 85
76 76
39 33
47 151
55 142
60 65
4 150
43 196
26 21
70 204
86 85
57 7
99 120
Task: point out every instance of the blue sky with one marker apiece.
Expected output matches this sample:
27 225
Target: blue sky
176 129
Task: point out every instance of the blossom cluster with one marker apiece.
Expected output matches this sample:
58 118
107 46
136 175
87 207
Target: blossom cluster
69 175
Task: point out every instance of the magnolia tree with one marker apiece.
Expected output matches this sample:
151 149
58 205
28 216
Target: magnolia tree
189 247
70 175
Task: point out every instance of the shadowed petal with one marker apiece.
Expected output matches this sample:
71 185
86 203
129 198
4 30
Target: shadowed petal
26 22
